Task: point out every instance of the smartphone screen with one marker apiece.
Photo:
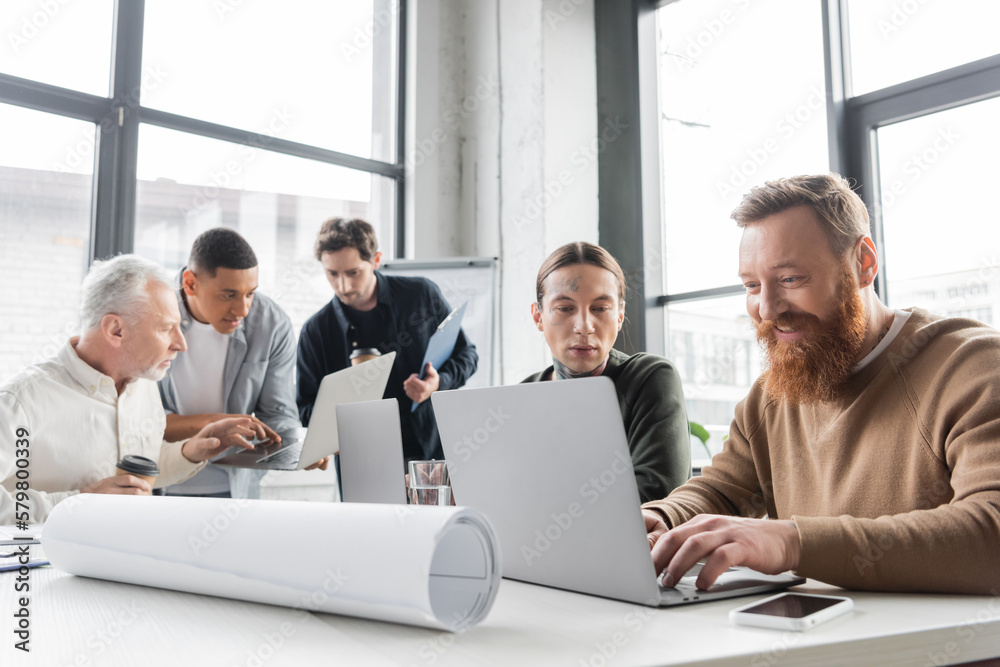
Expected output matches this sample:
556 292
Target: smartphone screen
791 605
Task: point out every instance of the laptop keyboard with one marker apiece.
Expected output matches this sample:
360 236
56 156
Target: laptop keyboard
284 456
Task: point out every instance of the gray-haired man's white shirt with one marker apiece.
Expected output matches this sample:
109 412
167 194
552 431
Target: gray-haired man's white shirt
77 428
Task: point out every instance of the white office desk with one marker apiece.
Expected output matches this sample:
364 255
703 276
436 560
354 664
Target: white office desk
79 621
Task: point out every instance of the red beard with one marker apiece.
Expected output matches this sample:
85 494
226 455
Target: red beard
815 367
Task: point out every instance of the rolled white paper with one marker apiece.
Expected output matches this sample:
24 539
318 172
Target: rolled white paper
437 567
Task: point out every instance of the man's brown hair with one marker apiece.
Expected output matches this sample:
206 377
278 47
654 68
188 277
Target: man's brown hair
338 233
839 209
580 252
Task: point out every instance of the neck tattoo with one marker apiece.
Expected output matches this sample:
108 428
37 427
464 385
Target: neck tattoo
562 372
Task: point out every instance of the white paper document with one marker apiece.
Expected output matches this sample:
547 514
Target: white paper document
12 534
437 567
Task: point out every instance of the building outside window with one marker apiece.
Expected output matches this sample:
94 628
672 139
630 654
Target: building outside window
743 98
135 126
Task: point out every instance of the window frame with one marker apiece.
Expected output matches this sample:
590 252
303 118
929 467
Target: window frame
117 119
852 124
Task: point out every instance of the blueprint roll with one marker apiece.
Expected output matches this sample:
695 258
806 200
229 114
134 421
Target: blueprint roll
437 567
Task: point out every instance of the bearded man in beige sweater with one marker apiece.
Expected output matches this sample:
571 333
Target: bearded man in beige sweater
871 442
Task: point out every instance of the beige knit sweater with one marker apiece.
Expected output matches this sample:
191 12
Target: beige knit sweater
894 487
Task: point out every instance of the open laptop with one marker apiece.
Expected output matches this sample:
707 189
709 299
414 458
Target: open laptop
364 382
371 452
548 464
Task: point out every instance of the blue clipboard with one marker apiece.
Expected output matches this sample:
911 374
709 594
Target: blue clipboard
442 343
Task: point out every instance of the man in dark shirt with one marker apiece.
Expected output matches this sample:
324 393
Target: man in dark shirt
389 313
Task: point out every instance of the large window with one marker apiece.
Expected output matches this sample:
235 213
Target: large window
134 126
939 220
892 41
735 110
753 91
66 44
44 230
275 201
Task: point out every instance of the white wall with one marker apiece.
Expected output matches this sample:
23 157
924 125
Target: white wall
501 115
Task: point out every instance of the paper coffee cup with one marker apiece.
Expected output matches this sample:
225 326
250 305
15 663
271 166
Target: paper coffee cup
139 466
363 354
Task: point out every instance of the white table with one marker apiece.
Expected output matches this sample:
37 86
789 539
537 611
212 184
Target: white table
79 621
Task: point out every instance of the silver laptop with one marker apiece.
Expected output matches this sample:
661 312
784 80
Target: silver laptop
548 464
371 452
364 382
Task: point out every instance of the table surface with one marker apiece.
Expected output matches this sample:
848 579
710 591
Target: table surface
80 621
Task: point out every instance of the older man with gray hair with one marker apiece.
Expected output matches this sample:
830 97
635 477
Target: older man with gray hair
64 423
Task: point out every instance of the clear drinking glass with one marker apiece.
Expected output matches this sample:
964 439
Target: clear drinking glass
429 483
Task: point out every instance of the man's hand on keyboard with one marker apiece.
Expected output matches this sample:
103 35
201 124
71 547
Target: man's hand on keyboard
216 438
765 545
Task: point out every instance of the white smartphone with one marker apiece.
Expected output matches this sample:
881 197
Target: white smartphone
791 611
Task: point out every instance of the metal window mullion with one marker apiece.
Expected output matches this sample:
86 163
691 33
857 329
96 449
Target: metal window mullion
700 295
52 99
619 165
211 130
400 180
113 220
837 76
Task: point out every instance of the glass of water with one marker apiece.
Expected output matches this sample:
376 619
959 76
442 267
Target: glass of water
429 483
